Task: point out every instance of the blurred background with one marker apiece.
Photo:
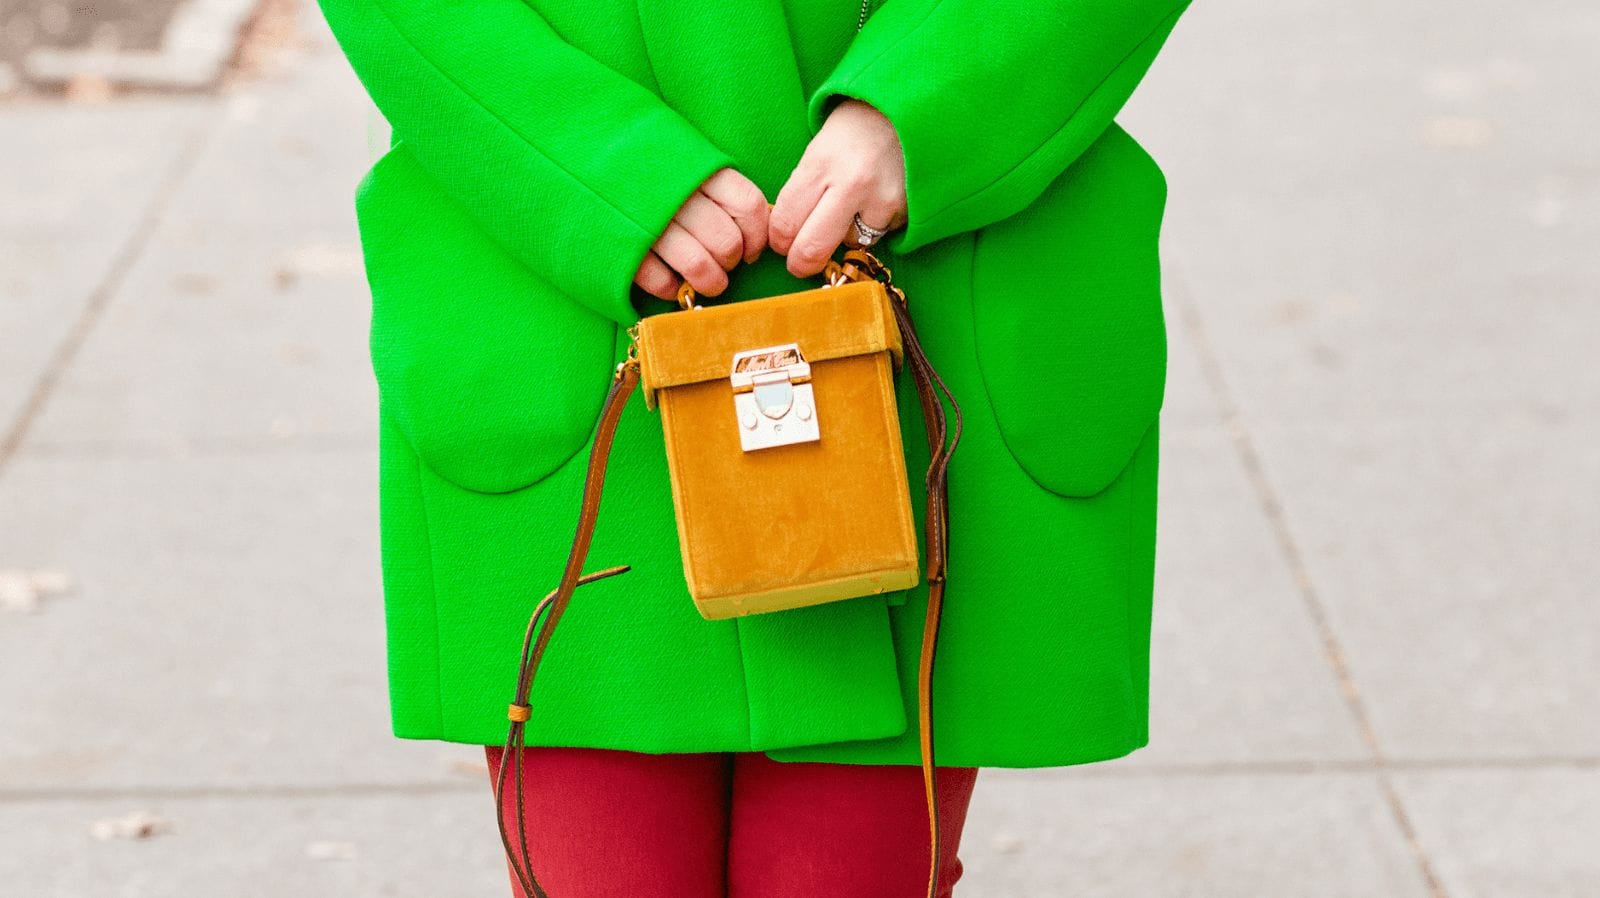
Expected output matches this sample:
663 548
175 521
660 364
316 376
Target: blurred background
1377 641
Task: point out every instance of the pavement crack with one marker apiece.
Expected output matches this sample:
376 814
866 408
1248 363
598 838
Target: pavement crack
1272 508
140 234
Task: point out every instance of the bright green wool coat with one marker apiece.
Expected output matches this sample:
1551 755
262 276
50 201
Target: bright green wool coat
541 146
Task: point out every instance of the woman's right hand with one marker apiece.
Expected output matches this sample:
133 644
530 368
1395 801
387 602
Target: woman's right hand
723 221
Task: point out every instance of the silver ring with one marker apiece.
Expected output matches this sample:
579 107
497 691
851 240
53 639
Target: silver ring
866 234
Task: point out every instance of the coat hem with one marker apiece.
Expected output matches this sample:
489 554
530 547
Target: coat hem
1101 753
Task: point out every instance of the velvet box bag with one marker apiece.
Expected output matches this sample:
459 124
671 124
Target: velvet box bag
788 474
783 447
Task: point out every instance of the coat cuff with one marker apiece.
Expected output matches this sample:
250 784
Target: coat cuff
987 119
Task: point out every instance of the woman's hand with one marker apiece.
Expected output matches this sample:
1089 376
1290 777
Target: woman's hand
853 164
723 221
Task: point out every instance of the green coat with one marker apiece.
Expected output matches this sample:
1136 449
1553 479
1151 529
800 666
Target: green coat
541 146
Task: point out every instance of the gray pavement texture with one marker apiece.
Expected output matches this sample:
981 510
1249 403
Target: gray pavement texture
1376 634
163 44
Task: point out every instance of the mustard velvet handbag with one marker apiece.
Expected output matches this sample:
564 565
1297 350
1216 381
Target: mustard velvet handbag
788 473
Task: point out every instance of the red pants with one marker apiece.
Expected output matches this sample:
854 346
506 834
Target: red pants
604 823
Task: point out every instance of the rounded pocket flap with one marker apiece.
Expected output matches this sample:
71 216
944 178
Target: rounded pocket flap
1067 318
494 376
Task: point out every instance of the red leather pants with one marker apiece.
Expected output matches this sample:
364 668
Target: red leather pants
604 823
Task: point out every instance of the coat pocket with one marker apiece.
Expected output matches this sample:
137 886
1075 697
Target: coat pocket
495 378
1067 319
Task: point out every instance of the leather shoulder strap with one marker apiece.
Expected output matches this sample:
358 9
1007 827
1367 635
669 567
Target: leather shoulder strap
538 635
936 523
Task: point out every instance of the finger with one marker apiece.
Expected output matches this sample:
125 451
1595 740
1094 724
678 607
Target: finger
796 200
713 227
745 203
656 278
822 232
691 260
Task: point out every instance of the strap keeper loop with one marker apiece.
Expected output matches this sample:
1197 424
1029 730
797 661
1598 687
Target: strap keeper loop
519 713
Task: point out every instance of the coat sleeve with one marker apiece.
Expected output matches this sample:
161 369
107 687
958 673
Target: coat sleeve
992 99
574 168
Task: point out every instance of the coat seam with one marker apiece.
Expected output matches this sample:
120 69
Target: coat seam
1051 139
788 33
1128 598
744 680
644 43
382 7
926 16
433 591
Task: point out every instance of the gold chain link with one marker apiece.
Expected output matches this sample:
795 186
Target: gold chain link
632 358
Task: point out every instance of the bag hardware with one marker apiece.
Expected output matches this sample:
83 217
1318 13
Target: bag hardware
773 397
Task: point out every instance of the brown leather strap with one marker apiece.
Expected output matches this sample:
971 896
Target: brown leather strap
858 265
622 385
936 525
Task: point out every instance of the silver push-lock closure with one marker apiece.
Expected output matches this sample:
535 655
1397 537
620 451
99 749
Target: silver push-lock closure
772 397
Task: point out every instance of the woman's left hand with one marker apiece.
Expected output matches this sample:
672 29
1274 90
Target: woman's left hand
853 164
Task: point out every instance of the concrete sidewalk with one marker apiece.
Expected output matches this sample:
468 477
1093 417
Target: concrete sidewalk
1376 631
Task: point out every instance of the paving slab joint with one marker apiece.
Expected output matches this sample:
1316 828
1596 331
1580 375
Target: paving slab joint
1272 508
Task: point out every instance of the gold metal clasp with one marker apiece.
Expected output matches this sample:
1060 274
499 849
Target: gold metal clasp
686 297
631 360
773 401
